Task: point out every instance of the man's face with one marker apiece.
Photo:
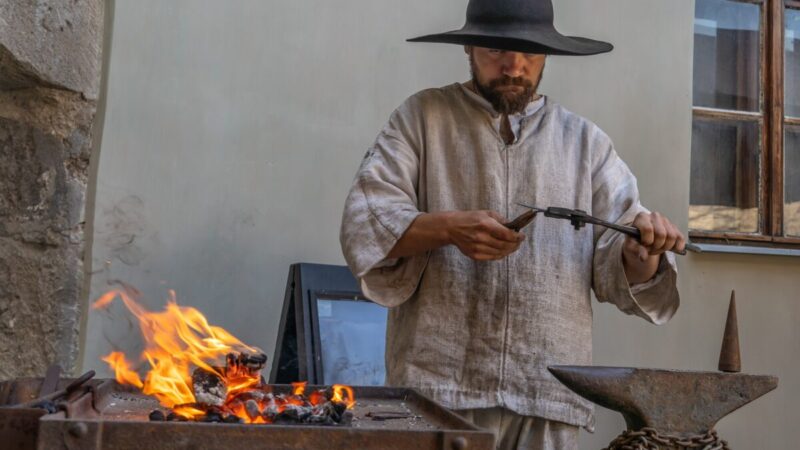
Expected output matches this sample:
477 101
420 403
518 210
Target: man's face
508 80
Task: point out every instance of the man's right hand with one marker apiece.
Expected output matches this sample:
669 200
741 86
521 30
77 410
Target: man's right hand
481 235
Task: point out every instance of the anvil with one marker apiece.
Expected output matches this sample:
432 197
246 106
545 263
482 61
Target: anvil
678 402
681 403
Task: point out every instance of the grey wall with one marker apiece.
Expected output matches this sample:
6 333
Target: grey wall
233 130
232 134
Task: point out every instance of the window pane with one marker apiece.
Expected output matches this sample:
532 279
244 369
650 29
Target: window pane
727 55
792 90
791 157
352 335
724 177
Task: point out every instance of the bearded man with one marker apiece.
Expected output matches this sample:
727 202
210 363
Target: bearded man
479 311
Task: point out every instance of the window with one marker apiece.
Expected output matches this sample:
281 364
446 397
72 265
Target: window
745 172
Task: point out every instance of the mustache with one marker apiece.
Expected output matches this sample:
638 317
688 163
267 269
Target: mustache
509 81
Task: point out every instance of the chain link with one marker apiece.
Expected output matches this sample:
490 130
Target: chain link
650 439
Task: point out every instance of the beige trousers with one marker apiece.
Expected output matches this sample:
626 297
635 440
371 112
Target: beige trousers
515 432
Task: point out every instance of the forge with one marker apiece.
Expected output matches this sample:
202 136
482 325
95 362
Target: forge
103 414
196 386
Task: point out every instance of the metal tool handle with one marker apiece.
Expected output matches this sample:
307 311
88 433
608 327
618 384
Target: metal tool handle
634 232
522 221
580 218
80 381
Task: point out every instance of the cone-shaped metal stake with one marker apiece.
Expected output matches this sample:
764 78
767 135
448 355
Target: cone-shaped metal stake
729 357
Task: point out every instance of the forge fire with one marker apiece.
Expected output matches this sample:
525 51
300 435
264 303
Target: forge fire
200 372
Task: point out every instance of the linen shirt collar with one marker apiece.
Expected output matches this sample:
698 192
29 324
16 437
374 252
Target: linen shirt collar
514 119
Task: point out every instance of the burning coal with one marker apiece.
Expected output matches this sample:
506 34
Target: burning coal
201 372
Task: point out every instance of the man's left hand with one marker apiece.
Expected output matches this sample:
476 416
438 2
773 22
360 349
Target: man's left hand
659 235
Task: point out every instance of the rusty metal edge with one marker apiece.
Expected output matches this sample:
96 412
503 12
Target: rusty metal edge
19 427
80 428
97 434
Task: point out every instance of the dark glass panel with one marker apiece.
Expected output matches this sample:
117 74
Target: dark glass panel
791 163
792 65
724 176
727 36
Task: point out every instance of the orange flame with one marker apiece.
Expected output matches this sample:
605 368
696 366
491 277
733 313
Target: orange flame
348 398
180 339
188 411
176 340
316 398
299 387
122 371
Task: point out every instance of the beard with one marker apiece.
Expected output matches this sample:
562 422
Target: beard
505 102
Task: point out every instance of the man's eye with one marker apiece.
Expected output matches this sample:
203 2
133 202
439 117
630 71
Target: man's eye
494 50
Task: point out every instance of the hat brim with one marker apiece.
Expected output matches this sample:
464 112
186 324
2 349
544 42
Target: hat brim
547 42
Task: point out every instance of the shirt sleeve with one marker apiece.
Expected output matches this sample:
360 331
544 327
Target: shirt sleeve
381 205
615 198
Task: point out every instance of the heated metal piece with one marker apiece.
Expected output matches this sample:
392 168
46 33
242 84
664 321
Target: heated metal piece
579 219
729 357
389 415
676 403
522 221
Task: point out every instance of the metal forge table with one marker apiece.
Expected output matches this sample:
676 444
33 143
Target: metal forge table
107 415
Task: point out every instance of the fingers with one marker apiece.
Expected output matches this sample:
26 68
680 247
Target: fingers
494 226
671 235
481 252
634 249
659 235
489 239
495 215
680 242
502 246
645 226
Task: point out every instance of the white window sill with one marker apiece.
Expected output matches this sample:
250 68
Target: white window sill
748 250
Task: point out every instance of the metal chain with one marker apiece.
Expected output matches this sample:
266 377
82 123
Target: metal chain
650 439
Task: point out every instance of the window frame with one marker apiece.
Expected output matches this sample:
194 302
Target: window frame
770 119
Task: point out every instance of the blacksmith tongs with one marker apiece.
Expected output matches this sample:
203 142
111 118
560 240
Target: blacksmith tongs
579 219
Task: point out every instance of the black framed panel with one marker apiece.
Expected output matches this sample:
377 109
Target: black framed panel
349 334
299 348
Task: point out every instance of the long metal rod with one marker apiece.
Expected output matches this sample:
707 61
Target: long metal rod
80 381
578 218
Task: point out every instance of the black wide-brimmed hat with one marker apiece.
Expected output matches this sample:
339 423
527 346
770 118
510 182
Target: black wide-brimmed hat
516 25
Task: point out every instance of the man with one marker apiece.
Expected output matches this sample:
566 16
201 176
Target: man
479 311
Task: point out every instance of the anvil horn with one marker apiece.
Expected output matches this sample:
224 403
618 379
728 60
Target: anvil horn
677 401
729 357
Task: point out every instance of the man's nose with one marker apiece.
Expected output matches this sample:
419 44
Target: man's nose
513 64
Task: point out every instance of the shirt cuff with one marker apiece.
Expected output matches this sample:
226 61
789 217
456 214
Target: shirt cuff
657 299
663 264
388 262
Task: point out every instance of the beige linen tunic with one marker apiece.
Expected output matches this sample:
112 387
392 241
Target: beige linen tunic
481 334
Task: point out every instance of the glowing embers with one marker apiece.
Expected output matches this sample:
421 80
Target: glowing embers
184 353
259 405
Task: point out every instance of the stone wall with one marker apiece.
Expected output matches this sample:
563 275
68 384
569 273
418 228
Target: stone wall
50 66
